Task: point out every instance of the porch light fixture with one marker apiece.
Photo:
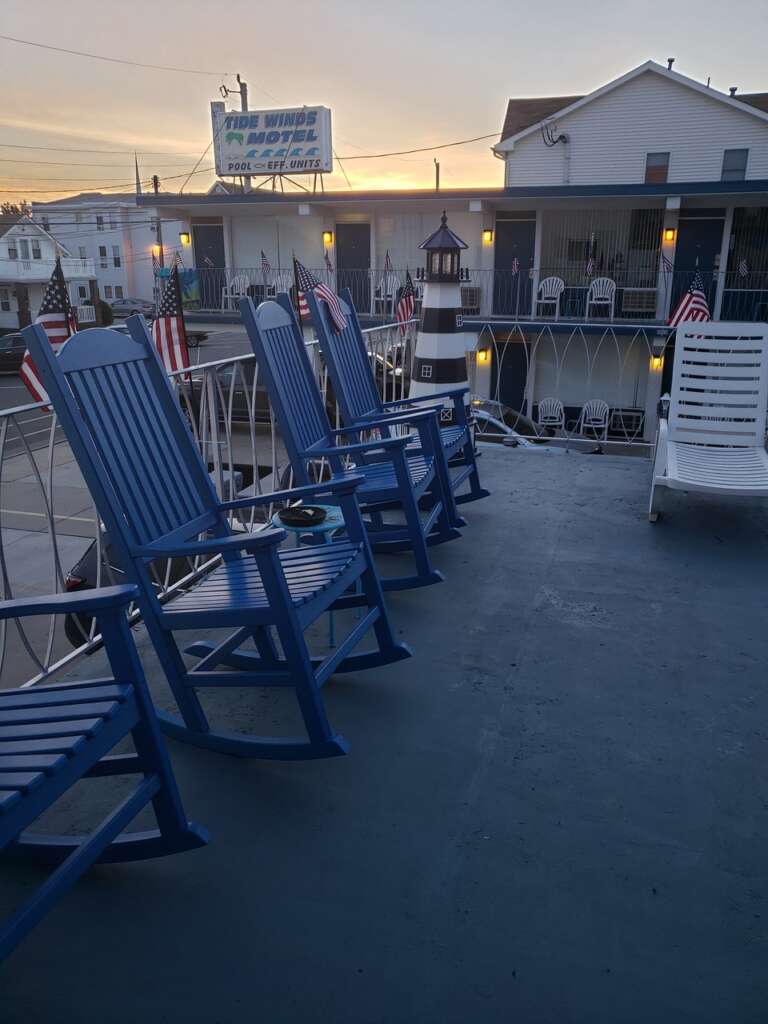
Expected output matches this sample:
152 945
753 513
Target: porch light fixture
327 238
185 238
487 236
156 249
657 363
483 355
669 234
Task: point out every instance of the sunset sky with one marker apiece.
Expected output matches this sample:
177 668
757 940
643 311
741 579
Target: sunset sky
396 76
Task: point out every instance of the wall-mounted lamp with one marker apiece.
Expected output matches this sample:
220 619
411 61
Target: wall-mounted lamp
327 238
185 238
657 363
487 236
669 234
156 249
483 355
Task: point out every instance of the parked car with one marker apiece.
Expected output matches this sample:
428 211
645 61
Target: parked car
12 349
127 307
495 421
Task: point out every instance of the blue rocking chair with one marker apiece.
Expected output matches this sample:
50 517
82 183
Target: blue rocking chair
360 403
152 489
53 736
391 479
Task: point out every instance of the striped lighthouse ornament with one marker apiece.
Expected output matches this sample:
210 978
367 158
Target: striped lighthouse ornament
440 361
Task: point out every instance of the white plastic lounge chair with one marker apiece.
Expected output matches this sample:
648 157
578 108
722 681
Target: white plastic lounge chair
714 437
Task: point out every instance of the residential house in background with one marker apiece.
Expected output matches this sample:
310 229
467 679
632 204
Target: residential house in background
113 233
27 257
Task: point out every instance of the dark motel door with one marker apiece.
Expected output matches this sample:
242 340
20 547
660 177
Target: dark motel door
353 262
699 238
513 263
208 241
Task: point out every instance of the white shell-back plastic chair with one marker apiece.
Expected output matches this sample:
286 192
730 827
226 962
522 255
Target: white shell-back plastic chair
593 421
232 293
602 293
550 290
550 413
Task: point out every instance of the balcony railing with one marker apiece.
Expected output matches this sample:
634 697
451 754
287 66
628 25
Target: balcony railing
41 270
636 296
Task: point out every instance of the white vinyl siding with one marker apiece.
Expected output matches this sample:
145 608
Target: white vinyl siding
611 135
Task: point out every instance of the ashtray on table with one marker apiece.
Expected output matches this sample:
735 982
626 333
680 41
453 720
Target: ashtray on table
302 515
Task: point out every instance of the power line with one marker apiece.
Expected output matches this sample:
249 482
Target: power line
68 163
116 60
422 149
111 152
123 184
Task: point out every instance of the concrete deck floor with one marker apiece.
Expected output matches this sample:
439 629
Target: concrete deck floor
555 812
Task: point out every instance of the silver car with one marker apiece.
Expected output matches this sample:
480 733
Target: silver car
127 307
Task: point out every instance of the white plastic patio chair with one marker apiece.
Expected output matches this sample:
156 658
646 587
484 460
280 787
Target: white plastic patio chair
714 437
593 421
602 293
550 413
232 293
550 290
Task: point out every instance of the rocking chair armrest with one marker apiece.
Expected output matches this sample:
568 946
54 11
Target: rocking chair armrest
215 545
347 485
383 444
458 392
66 604
423 415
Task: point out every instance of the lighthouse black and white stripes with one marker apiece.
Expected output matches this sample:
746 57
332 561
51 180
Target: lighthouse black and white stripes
440 362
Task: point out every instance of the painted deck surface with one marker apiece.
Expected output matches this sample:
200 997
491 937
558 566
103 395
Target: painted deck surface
555 812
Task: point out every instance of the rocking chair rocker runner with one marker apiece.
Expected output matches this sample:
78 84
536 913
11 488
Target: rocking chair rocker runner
53 736
346 356
391 477
153 491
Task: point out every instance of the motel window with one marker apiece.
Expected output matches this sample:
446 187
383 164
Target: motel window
734 165
83 253
116 255
103 261
118 291
36 249
656 168
99 222
81 291
13 252
107 291
5 300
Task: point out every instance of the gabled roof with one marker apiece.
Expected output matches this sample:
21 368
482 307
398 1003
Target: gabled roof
750 103
522 113
5 227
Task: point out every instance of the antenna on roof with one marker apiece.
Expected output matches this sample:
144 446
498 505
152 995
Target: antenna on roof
709 79
670 62
733 89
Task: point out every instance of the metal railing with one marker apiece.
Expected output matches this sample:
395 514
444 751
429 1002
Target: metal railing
638 295
15 269
50 529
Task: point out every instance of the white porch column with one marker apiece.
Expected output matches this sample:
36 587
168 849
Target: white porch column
653 387
664 277
536 262
723 263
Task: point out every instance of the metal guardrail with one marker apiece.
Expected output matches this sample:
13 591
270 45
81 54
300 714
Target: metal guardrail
47 515
646 294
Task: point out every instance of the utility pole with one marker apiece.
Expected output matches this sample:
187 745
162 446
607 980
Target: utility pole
158 222
437 174
244 108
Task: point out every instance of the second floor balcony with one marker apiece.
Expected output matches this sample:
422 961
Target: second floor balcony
33 271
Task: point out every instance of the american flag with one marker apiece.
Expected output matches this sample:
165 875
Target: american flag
387 263
266 266
57 319
515 268
168 329
405 305
693 304
590 268
666 263
307 282
743 268
328 264
178 262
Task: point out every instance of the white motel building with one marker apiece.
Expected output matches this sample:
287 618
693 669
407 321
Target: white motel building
608 205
